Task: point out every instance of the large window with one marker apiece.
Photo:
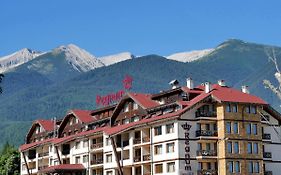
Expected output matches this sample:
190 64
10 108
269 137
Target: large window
230 167
170 147
249 128
235 127
135 106
228 127
108 158
255 148
255 129
253 109
158 130
249 148
257 167
85 158
159 168
171 167
85 143
228 107
237 167
236 147
158 149
77 145
234 108
77 159
229 147
170 128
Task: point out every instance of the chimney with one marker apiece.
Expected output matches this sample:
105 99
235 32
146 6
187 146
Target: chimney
174 84
189 83
208 87
222 83
245 89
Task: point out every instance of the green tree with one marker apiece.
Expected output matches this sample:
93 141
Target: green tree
9 160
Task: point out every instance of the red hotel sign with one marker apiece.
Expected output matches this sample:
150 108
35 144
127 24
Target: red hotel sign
114 97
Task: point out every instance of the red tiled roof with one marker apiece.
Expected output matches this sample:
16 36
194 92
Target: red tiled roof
83 115
81 134
227 94
143 100
48 125
63 168
187 90
34 144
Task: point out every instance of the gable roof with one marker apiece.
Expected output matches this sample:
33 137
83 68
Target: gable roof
48 125
144 100
63 168
83 115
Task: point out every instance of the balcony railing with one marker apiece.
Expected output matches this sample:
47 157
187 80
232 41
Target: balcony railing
43 154
267 155
268 173
205 114
207 172
146 157
137 140
31 156
266 136
265 118
137 158
207 153
147 173
97 161
97 145
206 133
145 139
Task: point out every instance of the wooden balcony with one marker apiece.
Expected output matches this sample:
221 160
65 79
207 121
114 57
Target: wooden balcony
207 172
145 139
146 158
97 161
212 114
137 141
137 158
206 153
43 154
97 145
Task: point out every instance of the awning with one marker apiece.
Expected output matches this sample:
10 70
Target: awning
63 168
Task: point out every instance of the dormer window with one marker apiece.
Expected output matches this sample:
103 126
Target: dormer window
126 107
38 129
161 101
126 121
135 106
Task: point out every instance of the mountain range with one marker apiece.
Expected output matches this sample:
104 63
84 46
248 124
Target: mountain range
48 84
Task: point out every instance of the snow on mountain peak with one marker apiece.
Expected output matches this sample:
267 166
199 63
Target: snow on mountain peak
17 58
80 59
116 58
189 56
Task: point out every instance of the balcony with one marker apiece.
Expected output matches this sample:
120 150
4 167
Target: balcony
206 133
65 152
207 172
137 158
43 154
205 153
266 136
146 157
145 139
97 145
125 143
268 173
97 161
267 155
205 114
137 141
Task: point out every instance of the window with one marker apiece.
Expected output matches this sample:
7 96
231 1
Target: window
255 148
109 173
170 128
126 121
171 167
170 147
77 159
257 167
158 130
228 127
107 141
250 151
250 167
126 107
230 166
77 145
236 147
228 107
248 128
158 168
135 106
135 119
235 108
158 149
237 167
85 158
235 127
229 147
85 143
109 158
253 109
208 146
255 129
199 146
248 109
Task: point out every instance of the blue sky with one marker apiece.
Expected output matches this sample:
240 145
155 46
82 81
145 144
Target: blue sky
142 27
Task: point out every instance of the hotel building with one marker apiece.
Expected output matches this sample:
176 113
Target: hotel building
205 130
